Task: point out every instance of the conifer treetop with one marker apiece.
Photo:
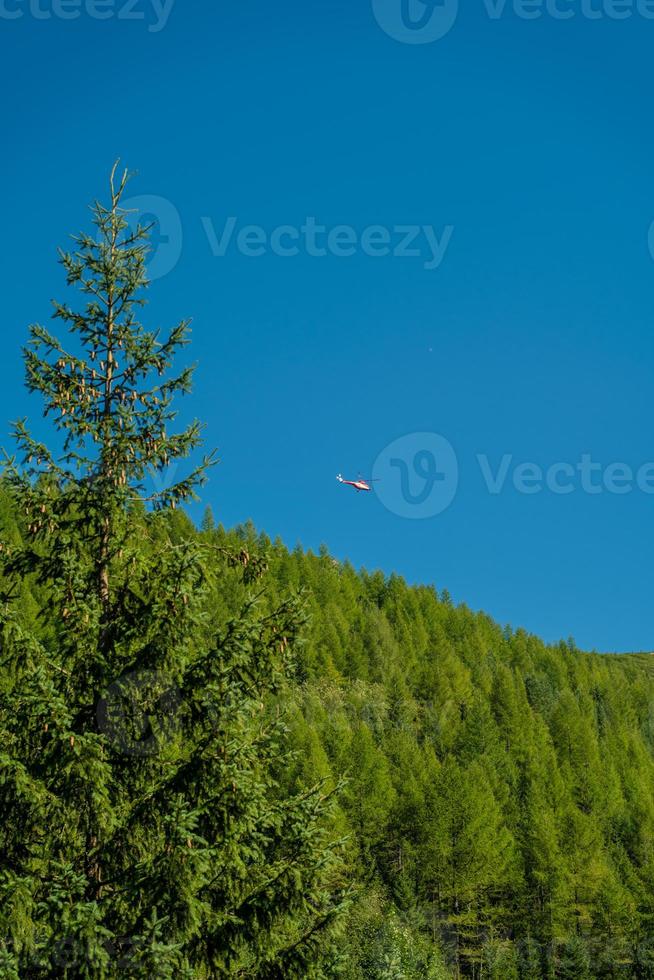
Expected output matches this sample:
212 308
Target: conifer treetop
112 399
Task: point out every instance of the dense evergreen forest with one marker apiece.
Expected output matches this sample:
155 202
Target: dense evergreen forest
497 815
221 758
500 796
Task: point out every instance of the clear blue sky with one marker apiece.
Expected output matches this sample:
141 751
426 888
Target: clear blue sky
534 337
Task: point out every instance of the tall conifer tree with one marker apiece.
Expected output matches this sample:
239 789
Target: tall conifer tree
143 831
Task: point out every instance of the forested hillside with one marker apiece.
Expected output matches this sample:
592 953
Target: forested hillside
500 791
498 805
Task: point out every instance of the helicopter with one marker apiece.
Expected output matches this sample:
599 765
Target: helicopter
359 484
